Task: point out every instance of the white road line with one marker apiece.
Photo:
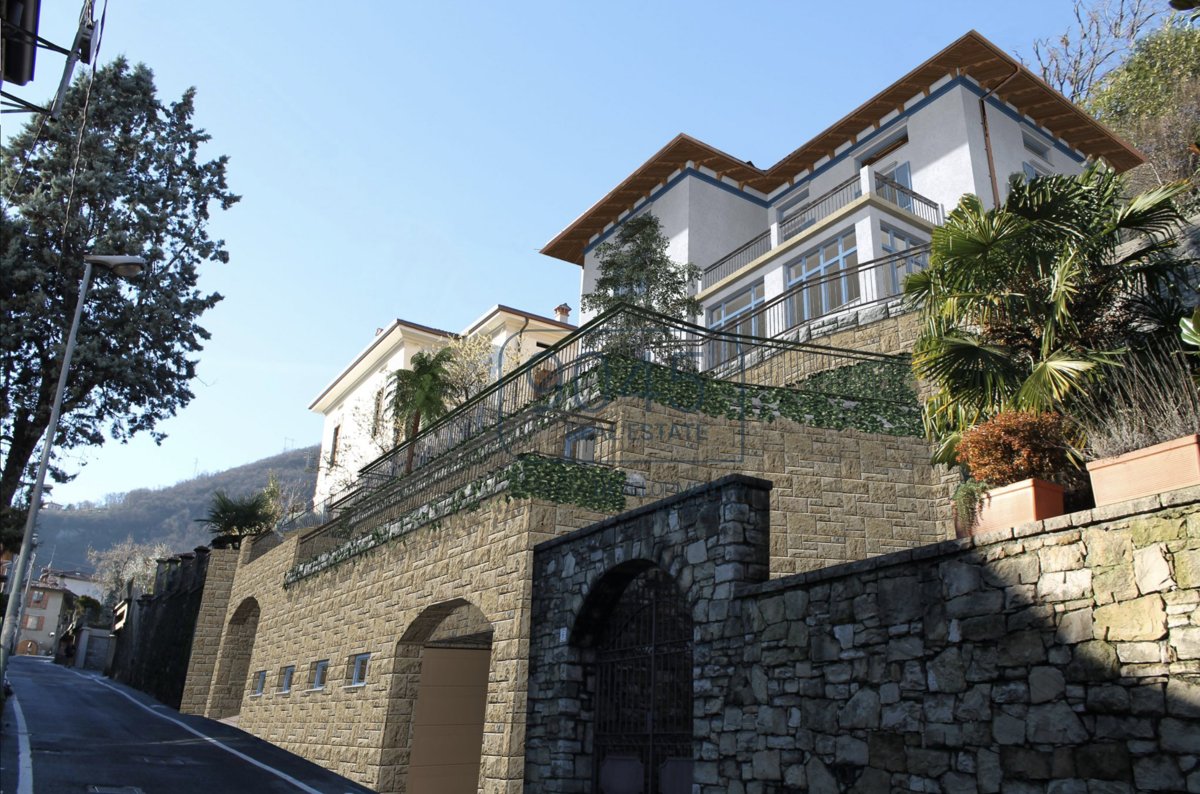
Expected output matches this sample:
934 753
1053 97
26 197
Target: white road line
24 755
282 775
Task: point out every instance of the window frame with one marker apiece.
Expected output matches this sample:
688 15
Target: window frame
286 674
357 669
318 674
820 269
888 234
260 683
581 437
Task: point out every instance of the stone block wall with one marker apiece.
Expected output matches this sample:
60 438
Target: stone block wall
1060 656
838 495
387 603
210 620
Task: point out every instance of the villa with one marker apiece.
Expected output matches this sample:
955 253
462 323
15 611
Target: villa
610 573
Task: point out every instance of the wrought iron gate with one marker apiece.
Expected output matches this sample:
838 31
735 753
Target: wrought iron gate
643 737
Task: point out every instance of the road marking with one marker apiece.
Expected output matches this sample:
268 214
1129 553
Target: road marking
282 775
24 754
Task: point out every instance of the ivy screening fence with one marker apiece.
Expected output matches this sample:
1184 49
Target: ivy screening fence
627 352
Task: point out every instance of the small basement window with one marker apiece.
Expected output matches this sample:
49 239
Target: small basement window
358 669
318 673
285 678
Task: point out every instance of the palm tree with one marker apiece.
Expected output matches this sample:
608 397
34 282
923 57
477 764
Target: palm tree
230 516
1022 305
422 392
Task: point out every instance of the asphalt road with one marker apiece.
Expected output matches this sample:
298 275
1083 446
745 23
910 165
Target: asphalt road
87 735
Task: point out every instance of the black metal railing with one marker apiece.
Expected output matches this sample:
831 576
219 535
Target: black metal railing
736 259
822 206
860 286
535 407
907 199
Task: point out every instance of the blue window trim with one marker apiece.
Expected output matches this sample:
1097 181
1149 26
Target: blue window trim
823 268
260 682
912 264
285 678
320 674
732 319
358 669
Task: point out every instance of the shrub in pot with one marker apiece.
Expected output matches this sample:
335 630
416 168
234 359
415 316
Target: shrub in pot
1143 427
1014 454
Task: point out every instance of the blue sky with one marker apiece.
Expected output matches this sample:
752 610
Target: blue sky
408 160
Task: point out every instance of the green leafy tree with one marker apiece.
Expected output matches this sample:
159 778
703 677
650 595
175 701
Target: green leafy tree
1021 304
121 172
1153 99
421 393
634 269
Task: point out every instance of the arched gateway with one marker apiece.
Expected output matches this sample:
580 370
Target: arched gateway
642 674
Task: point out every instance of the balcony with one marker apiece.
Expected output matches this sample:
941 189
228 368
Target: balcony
818 300
842 199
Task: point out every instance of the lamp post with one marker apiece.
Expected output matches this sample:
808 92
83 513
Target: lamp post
125 267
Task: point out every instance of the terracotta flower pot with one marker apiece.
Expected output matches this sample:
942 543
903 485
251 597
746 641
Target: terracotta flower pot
1027 500
1144 472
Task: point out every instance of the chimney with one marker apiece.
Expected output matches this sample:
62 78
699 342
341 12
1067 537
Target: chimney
562 313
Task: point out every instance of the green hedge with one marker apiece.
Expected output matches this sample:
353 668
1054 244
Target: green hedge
873 396
566 482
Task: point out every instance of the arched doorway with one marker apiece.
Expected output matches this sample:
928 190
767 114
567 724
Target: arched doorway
641 669
434 731
233 664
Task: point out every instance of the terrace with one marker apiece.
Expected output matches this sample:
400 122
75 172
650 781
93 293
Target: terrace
553 415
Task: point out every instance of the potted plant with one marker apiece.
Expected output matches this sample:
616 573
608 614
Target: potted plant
1143 427
1011 458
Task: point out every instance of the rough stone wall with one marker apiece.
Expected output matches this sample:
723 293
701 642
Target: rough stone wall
838 496
210 620
154 655
1059 656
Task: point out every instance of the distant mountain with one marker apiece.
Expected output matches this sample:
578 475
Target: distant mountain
165 514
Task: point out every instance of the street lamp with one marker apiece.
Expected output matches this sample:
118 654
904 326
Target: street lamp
125 267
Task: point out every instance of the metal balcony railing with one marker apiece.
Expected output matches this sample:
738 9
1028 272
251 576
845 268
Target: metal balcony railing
736 259
866 284
907 199
819 208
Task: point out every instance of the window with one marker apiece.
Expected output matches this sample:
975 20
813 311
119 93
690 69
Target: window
1032 171
823 279
897 242
1035 144
894 184
333 445
260 682
358 669
285 678
790 207
736 314
37 599
318 673
34 622
581 445
882 150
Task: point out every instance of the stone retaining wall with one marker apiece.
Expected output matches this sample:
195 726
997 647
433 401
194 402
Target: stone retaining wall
1061 656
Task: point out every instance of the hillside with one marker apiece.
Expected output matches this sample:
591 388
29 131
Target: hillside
165 514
